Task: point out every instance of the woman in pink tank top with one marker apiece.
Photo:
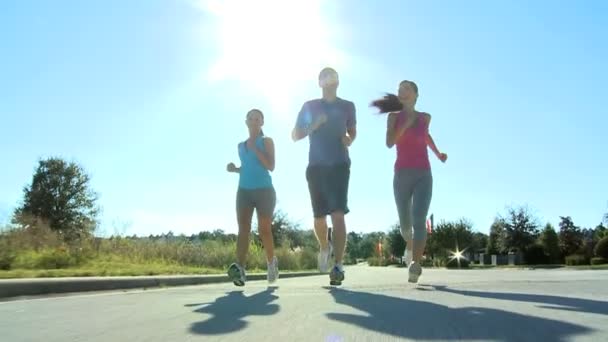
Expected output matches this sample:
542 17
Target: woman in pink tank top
408 129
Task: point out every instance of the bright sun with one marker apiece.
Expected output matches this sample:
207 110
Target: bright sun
271 45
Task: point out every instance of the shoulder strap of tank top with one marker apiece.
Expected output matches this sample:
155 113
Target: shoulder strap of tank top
258 140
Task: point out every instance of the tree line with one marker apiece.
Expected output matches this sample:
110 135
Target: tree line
59 197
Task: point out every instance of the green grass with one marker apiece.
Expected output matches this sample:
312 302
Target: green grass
105 268
577 267
589 267
24 254
113 266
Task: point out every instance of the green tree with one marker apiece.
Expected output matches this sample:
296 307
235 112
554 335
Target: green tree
521 229
570 236
396 244
600 232
550 242
280 226
369 244
60 197
495 240
588 242
449 236
353 248
480 242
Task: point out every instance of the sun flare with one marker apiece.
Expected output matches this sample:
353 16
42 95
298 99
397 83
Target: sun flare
272 46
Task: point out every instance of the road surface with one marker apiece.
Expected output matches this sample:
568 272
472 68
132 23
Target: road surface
374 304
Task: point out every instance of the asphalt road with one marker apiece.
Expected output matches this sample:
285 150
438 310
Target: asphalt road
374 304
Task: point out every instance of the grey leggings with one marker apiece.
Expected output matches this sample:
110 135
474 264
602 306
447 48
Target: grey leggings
413 190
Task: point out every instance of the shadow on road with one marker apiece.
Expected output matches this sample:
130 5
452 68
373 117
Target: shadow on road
228 312
419 320
550 302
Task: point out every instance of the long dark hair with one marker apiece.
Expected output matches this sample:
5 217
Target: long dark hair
390 102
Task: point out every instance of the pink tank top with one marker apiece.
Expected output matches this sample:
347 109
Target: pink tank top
412 150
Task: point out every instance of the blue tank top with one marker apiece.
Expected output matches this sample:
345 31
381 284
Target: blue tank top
253 174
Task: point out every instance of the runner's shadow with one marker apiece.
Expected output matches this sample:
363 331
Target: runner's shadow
228 313
420 320
550 302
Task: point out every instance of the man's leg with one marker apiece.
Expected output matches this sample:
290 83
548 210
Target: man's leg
338 180
314 178
321 232
339 230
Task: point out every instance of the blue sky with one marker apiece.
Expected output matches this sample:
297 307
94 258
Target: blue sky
150 98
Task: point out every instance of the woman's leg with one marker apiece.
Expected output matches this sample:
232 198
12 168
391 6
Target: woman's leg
402 189
244 214
265 203
423 192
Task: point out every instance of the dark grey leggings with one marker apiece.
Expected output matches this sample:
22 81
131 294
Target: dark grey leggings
413 190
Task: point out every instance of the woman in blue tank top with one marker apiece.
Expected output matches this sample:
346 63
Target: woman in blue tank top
255 191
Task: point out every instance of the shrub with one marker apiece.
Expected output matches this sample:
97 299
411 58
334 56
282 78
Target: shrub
576 259
535 255
601 249
427 262
599 261
453 263
7 253
288 259
256 258
308 259
7 257
440 262
375 261
45 259
54 259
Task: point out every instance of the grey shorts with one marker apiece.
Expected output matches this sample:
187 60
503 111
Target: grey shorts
262 200
328 187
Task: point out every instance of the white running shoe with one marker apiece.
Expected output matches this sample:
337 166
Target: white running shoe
415 271
408 256
324 258
273 270
237 274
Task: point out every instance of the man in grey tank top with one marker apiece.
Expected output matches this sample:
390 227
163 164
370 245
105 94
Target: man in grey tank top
330 125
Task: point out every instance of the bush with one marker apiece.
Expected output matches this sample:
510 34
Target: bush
576 259
453 263
7 254
45 259
288 259
427 262
599 261
54 259
308 259
535 255
376 261
41 248
601 249
256 258
7 258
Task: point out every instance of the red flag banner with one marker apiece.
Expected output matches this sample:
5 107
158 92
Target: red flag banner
429 225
